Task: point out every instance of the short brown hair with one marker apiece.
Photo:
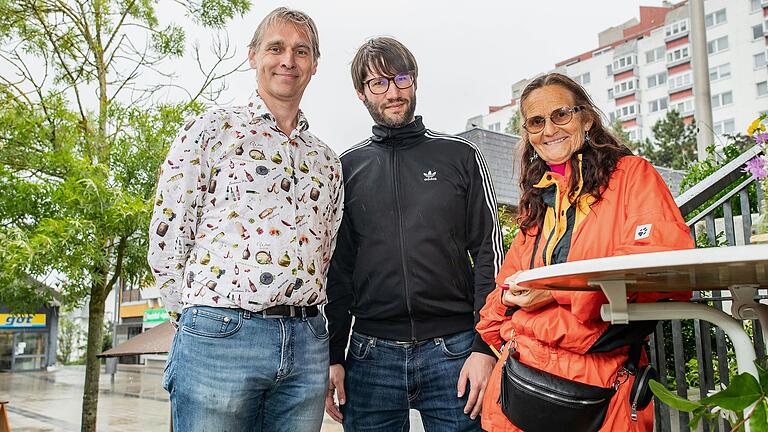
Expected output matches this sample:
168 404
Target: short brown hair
298 18
384 55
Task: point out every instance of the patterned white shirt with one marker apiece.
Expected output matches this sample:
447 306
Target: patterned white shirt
244 215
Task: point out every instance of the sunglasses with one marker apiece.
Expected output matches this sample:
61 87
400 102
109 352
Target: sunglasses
380 85
561 117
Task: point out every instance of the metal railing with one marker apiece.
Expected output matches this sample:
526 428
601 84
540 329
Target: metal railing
711 345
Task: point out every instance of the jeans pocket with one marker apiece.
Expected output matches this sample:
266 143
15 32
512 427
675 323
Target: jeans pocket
458 345
168 370
211 322
359 346
317 325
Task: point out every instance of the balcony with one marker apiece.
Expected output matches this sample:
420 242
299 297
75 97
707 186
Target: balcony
625 68
675 62
680 88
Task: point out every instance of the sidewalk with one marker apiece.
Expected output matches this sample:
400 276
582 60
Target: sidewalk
51 401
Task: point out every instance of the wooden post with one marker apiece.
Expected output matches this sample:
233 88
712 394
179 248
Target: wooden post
4 425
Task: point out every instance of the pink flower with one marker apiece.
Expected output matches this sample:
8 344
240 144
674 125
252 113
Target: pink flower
757 167
761 138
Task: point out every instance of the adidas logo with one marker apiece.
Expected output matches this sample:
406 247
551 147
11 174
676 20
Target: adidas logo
430 176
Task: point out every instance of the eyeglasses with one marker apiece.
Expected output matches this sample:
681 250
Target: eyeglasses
380 85
561 117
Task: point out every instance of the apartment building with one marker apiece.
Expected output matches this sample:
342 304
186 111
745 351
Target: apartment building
642 68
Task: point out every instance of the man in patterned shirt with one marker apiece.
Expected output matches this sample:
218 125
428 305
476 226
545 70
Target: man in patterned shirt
246 213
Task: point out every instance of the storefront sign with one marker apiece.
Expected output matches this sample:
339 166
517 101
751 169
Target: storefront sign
155 316
22 321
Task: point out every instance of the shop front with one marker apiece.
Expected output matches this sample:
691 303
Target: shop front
28 341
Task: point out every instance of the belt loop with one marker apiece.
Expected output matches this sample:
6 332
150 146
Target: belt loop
247 314
373 342
438 340
303 312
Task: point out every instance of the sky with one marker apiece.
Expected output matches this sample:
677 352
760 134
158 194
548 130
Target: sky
469 53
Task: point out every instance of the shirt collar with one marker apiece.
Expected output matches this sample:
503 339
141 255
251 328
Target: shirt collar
257 108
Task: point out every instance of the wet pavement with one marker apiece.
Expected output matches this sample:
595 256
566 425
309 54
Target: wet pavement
51 401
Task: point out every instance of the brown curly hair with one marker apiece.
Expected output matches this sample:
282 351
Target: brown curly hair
600 154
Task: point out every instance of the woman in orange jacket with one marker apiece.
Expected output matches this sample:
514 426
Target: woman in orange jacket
584 196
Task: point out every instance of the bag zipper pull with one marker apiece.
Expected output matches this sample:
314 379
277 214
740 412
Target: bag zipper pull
633 416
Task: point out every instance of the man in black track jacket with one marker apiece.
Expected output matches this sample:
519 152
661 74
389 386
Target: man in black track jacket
417 251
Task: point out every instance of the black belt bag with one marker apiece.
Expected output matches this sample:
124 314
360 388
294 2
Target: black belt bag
535 400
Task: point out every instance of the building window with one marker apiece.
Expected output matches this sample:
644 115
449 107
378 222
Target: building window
634 134
677 28
683 107
760 60
717 45
679 54
626 111
724 127
657 80
720 72
762 88
655 55
722 99
610 93
623 87
758 32
609 70
623 62
582 79
715 18
658 105
754 5
679 81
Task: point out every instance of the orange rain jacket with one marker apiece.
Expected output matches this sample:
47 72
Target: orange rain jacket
556 337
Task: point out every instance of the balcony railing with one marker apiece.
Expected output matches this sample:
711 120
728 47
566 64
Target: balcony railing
710 343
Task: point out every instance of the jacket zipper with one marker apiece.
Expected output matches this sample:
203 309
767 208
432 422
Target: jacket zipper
539 391
402 241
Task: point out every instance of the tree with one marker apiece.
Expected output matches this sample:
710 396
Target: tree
513 126
623 135
80 143
674 142
70 339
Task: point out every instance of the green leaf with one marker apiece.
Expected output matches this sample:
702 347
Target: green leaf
698 413
672 399
758 421
762 372
743 391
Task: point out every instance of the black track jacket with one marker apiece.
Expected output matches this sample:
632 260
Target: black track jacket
417 205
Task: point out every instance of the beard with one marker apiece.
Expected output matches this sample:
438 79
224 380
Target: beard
391 121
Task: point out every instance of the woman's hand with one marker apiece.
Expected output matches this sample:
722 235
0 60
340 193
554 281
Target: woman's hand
527 299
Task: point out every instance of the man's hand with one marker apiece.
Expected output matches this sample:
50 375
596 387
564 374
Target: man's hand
335 386
528 299
476 370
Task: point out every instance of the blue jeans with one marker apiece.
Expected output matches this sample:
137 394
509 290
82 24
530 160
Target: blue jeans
233 370
384 379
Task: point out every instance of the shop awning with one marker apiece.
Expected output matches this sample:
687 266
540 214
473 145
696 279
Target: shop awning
156 340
